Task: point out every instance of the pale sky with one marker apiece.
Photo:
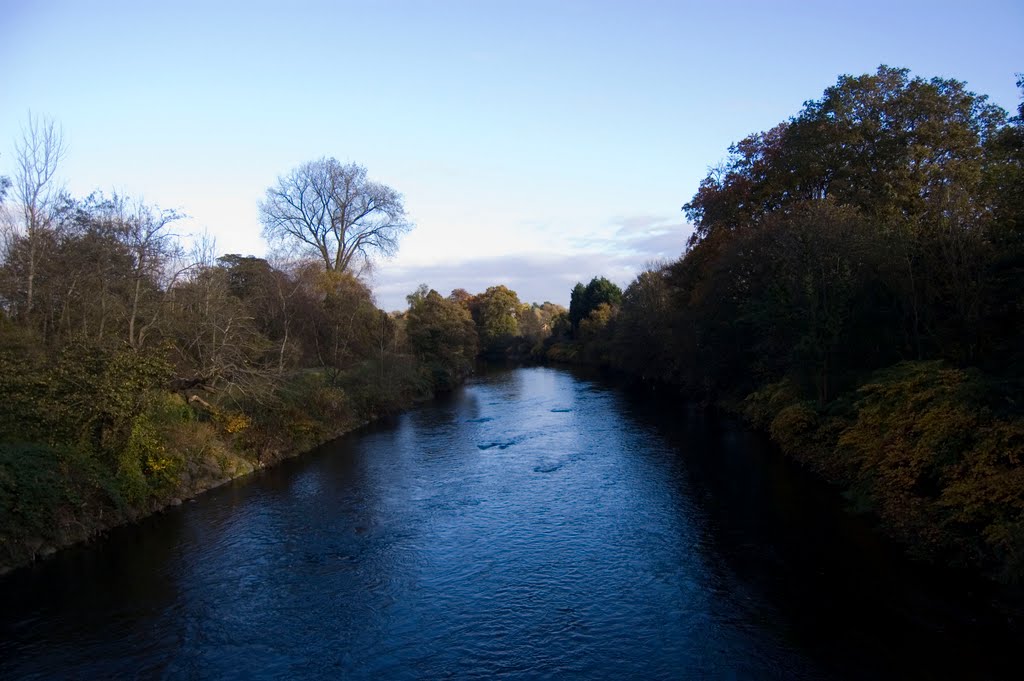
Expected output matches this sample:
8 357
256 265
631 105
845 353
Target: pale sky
536 143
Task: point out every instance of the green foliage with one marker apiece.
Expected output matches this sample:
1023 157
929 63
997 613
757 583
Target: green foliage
792 424
585 299
595 333
48 494
761 406
642 323
496 314
538 323
134 382
31 490
855 273
568 352
985 492
443 336
96 400
89 394
299 414
24 387
880 142
942 468
150 463
142 446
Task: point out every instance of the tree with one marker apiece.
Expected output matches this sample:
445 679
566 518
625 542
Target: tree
417 296
576 304
909 155
333 212
36 155
585 299
81 282
344 324
1003 307
536 321
217 334
270 292
643 322
461 296
153 250
442 334
496 313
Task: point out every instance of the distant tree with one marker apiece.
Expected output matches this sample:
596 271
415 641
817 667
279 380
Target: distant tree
417 296
247 275
442 334
600 290
561 327
345 322
576 305
496 313
335 213
644 323
461 296
586 299
596 321
536 322
269 292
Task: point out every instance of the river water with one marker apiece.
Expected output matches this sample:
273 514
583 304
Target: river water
535 524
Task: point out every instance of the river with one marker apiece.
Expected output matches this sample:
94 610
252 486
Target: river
534 524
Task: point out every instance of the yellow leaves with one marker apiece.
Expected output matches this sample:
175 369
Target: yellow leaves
911 423
592 326
793 422
157 464
941 467
761 406
235 423
990 476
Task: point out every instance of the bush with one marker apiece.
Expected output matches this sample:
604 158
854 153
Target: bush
943 469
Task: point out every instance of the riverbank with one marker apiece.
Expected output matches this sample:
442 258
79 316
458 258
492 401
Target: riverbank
542 504
932 452
182 444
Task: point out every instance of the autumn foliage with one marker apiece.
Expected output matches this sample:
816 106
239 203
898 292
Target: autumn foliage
853 286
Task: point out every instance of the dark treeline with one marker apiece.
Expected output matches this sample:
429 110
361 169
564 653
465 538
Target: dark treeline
135 374
854 286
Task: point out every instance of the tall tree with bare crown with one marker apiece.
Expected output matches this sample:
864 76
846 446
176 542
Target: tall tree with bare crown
334 213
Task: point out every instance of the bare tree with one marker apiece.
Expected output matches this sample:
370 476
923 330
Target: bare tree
285 288
36 156
335 213
157 260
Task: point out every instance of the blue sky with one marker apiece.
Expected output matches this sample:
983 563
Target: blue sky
536 143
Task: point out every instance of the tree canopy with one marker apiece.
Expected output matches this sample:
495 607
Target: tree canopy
335 213
853 286
586 299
